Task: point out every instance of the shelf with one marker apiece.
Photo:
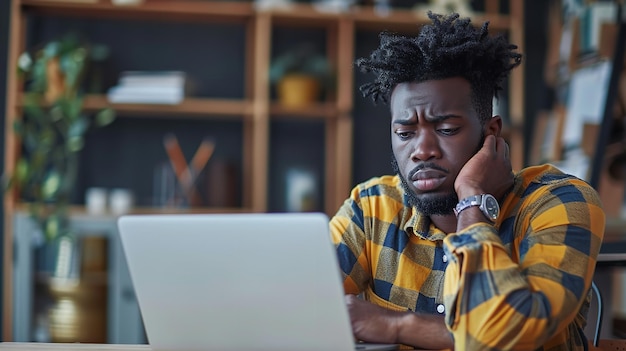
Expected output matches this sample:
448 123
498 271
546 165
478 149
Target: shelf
316 111
228 11
366 17
207 108
184 10
189 107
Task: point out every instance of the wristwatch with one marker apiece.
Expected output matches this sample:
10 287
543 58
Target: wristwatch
486 202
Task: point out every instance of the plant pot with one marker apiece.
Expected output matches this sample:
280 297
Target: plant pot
298 90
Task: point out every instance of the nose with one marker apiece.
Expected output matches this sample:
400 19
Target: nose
425 146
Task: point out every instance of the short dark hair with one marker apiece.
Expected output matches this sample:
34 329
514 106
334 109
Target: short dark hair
449 47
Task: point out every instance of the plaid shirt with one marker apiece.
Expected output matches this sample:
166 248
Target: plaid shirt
522 283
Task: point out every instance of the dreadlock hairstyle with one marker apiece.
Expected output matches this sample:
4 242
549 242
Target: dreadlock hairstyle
449 47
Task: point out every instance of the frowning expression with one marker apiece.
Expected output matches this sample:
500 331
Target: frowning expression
435 131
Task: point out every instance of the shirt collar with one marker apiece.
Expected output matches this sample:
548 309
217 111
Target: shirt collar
421 226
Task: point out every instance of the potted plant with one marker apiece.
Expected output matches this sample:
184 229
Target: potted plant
300 75
52 129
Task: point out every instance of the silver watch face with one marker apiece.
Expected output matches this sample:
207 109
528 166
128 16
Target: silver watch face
491 207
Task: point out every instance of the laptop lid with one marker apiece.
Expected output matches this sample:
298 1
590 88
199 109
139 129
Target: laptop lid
237 281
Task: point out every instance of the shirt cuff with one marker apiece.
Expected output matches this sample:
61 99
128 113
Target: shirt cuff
473 236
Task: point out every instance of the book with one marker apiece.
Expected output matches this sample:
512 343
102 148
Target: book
151 95
160 78
138 98
157 87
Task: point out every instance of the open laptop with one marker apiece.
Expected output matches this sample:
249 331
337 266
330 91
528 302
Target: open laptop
238 282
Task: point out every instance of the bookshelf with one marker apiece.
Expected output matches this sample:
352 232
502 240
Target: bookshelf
327 127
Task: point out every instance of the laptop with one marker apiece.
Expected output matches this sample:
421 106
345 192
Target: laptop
238 282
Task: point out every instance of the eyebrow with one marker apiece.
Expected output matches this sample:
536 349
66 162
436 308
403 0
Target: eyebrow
435 119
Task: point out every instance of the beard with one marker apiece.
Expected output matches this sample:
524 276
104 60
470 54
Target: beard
427 204
430 204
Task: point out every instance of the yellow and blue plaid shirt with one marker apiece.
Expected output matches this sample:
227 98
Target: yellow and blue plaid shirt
520 284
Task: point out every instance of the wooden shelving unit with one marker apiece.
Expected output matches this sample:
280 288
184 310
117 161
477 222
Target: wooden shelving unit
189 107
255 110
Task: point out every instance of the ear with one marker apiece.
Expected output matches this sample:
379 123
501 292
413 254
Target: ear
493 126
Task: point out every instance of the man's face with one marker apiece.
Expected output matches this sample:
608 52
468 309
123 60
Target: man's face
434 132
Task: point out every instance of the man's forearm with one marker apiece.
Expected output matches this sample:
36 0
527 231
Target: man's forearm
373 323
423 331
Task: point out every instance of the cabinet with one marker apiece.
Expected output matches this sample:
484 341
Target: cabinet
251 110
124 325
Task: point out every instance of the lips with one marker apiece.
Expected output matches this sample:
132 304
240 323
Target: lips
428 179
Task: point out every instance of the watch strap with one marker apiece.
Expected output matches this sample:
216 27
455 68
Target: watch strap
470 201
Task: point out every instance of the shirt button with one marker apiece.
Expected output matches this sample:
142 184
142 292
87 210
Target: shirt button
445 258
441 308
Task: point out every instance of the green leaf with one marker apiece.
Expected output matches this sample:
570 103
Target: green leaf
22 171
75 143
304 58
30 139
72 70
38 157
69 42
105 117
32 107
74 107
47 139
56 113
79 55
39 79
52 227
78 127
51 49
51 185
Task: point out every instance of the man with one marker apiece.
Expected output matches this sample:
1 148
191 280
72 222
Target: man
456 250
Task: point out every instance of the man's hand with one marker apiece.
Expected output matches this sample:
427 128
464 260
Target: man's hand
489 171
372 323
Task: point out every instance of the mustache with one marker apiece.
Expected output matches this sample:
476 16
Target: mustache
426 165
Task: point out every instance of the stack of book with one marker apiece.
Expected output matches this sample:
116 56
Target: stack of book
141 87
